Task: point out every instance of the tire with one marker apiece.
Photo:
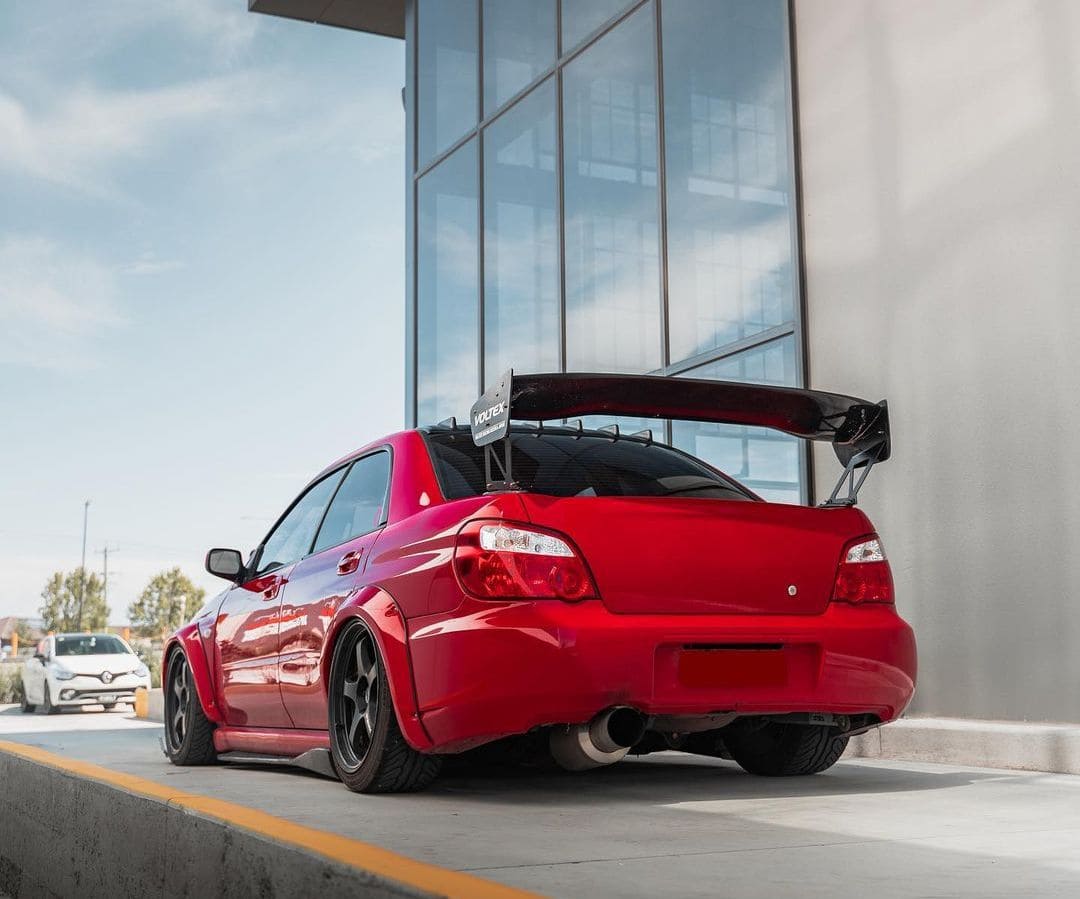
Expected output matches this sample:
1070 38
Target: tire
47 706
786 750
369 752
189 734
27 707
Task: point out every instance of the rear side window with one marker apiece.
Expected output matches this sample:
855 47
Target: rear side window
359 506
566 465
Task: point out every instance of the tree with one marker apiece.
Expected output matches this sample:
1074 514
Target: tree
25 632
60 609
166 602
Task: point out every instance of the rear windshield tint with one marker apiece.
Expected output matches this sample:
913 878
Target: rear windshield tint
568 465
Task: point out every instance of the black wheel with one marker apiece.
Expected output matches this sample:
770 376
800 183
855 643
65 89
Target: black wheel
786 750
26 707
108 706
47 706
189 734
369 752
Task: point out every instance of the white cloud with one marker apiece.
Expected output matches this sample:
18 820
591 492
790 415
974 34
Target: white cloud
53 304
58 124
149 264
84 135
78 137
222 29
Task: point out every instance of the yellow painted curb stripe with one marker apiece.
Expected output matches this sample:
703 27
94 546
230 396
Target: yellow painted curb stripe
346 851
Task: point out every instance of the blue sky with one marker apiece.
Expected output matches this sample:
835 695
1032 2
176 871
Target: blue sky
201 277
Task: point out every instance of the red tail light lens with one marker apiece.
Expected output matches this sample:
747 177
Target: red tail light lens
496 560
864 574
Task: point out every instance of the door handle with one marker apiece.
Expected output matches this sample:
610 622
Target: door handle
271 592
349 562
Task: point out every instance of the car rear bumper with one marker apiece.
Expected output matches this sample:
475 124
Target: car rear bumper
492 670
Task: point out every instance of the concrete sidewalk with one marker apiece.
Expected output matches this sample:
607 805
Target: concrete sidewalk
670 824
1023 746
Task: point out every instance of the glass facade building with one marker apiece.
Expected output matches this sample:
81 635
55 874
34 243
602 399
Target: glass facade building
605 185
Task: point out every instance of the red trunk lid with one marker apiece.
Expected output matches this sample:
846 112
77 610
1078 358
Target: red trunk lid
658 555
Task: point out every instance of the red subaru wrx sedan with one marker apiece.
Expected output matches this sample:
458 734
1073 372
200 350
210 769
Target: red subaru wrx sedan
577 594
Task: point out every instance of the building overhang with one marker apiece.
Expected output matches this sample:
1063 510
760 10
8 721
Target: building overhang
385 17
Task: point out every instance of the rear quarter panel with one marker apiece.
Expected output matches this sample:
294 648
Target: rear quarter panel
413 557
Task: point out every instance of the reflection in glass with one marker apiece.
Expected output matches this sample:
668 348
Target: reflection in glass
447 288
580 18
521 252
729 191
447 73
610 197
766 461
519 43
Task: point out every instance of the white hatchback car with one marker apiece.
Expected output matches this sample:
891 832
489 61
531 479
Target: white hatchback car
81 669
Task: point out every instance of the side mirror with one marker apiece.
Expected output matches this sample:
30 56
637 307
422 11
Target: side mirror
226 563
40 656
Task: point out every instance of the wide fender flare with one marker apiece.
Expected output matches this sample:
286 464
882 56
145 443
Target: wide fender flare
378 610
190 639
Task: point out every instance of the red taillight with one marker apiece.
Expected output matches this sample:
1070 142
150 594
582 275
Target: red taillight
496 560
864 574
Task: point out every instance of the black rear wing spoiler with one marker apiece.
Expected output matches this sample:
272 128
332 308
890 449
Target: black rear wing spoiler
857 429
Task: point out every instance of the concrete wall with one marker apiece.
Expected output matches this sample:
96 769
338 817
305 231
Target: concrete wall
65 835
941 177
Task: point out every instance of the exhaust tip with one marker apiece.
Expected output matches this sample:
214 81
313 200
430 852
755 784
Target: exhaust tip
625 726
603 741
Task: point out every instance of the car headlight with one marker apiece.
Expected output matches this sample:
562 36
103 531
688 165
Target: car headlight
141 670
61 673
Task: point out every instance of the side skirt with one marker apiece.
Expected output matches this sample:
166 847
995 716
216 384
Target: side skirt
315 760
277 742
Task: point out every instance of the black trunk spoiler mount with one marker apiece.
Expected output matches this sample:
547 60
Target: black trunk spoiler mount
857 429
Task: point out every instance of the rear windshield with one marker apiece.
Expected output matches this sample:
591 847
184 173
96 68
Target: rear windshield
89 645
570 465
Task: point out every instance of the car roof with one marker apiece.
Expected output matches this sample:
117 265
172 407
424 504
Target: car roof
84 634
382 442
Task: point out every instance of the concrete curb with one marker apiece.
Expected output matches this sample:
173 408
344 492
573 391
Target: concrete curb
150 704
1053 748
69 828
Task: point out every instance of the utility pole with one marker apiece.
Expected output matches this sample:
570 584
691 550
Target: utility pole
82 568
105 570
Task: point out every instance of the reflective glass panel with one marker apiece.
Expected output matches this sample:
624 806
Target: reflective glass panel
447 73
447 288
580 18
729 187
764 460
519 43
610 201
521 252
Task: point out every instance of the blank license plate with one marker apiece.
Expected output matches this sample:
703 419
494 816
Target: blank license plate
732 667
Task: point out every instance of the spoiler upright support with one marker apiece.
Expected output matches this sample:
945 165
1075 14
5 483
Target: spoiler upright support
857 429
489 420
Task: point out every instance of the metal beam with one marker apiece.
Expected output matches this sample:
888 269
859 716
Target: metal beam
385 17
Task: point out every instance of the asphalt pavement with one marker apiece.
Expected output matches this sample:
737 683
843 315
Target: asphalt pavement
662 825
